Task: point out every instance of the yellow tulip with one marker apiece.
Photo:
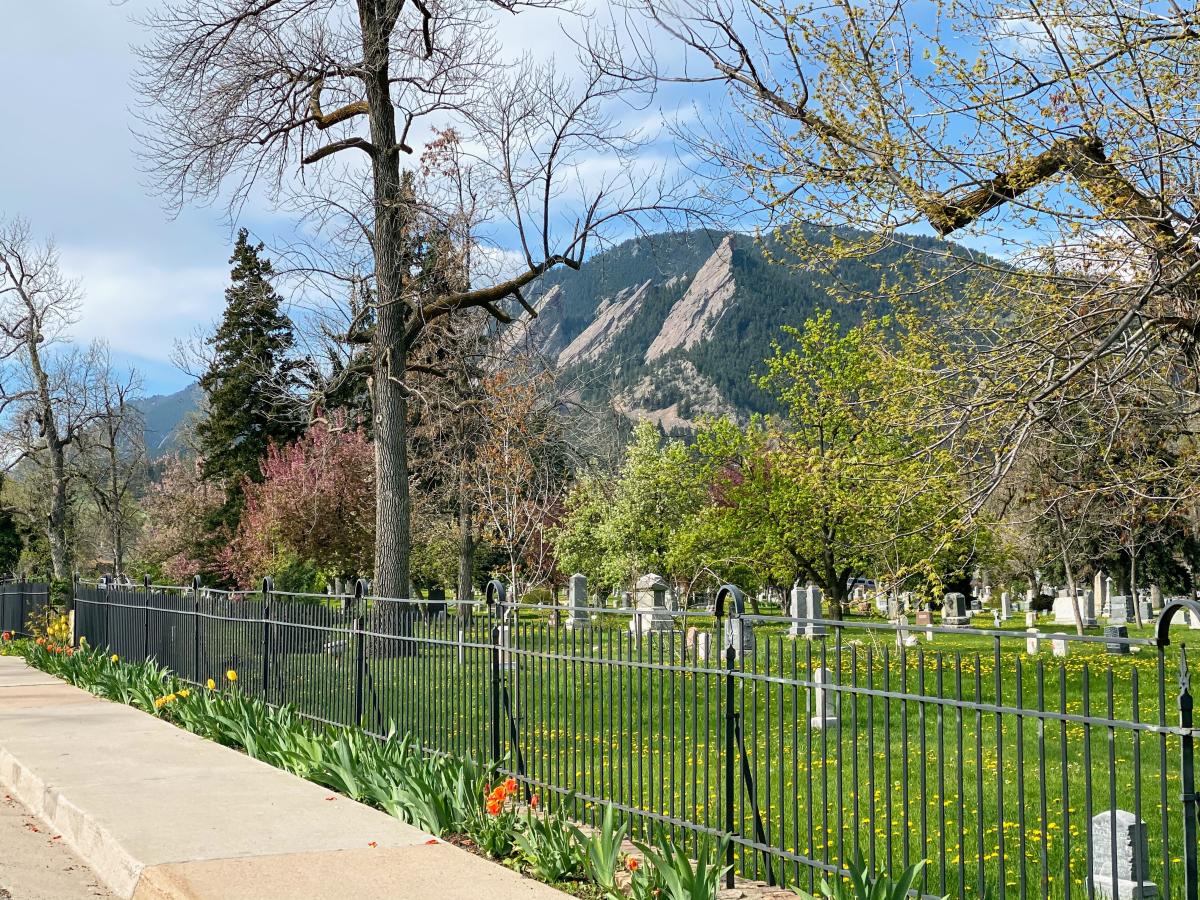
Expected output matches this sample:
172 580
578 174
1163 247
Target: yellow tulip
212 685
115 658
231 675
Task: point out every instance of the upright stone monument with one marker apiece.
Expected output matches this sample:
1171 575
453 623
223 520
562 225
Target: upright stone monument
823 710
903 637
1059 645
1129 879
1006 607
1146 607
1064 608
1100 594
1032 641
1156 598
1030 594
577 599
1030 619
954 610
651 613
1117 639
806 606
1120 609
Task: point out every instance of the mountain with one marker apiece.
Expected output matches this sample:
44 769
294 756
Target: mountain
677 323
166 415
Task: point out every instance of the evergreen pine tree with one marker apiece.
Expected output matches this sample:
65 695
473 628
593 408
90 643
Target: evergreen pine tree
247 381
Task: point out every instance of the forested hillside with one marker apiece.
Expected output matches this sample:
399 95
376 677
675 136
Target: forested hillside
676 323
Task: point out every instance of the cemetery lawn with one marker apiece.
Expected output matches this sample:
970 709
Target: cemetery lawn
965 751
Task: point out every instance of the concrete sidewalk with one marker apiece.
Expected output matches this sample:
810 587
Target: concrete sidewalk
157 812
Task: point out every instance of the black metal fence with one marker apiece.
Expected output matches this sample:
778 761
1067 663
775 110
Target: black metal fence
1013 770
20 602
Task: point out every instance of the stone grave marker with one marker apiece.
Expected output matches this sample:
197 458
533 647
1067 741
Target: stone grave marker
1059 645
1156 597
651 613
1118 638
1147 611
703 646
577 599
1030 619
1032 641
1130 877
1119 609
954 610
903 638
1006 607
823 710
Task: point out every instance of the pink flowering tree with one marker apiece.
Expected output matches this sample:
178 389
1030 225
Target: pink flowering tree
315 504
176 540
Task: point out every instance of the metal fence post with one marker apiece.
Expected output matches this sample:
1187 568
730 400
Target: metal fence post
494 596
360 653
195 626
1191 875
267 586
145 626
728 594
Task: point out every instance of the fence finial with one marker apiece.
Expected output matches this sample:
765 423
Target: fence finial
495 592
1163 626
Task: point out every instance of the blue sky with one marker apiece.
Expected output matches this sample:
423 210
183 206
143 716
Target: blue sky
68 164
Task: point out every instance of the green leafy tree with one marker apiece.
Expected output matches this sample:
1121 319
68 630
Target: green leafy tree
247 382
843 485
617 529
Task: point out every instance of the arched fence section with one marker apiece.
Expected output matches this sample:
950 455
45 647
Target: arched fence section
1018 762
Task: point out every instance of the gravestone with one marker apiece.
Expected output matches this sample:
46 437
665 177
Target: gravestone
924 617
577 599
435 609
651 613
903 638
806 606
1064 608
1155 598
1147 610
996 620
1006 607
1193 620
1032 641
1119 609
1030 594
823 700
1030 619
1100 588
1059 645
504 640
1117 635
462 645
954 610
703 646
1128 879
626 600
797 609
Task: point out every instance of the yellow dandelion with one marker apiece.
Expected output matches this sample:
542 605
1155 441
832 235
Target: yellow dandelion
115 658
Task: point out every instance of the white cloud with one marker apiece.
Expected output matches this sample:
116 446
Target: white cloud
141 307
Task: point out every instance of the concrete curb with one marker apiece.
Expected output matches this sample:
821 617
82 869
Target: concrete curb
159 813
94 844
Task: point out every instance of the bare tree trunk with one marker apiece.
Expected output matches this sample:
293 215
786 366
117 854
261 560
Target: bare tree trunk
1133 598
389 399
1071 590
56 521
466 551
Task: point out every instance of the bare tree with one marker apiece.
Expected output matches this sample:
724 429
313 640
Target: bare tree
47 387
247 93
112 458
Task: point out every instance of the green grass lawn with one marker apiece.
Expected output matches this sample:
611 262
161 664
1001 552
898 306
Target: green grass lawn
961 768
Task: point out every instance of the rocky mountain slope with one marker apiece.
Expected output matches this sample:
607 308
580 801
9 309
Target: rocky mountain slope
675 324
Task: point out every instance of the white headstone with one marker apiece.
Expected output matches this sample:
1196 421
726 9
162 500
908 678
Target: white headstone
577 599
1032 641
1100 588
1058 644
823 710
651 609
1030 619
703 646
1006 608
903 638
1125 832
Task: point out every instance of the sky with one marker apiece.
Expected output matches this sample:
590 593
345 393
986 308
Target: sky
68 164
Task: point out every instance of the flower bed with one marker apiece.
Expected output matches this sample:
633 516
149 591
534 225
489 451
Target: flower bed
457 800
